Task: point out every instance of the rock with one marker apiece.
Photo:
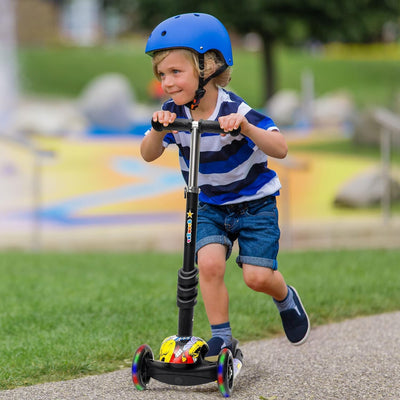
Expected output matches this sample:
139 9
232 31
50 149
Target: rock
49 117
367 130
107 102
284 107
366 189
333 109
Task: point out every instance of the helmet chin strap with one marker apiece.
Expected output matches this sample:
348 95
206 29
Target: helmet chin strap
200 92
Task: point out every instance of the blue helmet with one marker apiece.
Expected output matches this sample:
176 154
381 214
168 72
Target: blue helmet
195 31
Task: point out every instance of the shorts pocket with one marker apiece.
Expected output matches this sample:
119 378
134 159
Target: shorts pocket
268 207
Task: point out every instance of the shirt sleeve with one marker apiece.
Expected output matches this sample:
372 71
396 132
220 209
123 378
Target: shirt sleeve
168 139
260 120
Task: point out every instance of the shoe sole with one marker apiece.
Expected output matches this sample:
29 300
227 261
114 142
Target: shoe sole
300 342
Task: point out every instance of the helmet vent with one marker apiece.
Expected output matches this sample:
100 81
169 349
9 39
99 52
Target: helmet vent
163 33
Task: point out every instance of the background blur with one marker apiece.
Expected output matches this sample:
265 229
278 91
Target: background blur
77 94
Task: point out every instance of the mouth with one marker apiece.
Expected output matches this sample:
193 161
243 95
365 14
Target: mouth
178 96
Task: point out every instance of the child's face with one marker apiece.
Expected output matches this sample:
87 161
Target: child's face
179 78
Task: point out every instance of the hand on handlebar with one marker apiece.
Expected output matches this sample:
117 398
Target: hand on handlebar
232 122
167 121
164 117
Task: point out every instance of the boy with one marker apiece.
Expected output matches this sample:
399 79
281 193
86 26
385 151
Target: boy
192 56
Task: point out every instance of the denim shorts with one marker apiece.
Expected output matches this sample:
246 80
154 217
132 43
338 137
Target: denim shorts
254 224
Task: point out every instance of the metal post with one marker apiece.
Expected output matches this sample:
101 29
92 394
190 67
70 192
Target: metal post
307 89
385 159
36 201
286 217
8 65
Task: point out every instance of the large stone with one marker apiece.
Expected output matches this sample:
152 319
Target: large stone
107 102
284 107
367 130
366 189
49 117
333 109
287 108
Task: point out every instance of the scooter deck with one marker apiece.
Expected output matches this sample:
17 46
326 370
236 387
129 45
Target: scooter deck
190 374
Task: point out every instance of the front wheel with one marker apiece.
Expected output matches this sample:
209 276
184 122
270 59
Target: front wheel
140 375
225 372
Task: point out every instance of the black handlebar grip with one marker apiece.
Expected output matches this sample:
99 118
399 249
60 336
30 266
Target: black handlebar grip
214 127
181 124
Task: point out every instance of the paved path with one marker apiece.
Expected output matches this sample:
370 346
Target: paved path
353 360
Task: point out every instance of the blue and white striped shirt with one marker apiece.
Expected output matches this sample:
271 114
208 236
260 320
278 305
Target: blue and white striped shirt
232 168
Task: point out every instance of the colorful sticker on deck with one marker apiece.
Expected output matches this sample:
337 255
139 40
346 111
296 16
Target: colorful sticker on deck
189 226
178 350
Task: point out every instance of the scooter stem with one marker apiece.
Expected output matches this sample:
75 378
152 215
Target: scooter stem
187 275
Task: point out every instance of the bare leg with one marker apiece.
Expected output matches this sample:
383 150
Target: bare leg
294 317
265 280
211 262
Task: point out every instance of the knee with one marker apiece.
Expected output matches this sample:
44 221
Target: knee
211 268
258 279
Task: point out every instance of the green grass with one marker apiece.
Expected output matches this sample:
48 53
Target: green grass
66 71
68 315
370 81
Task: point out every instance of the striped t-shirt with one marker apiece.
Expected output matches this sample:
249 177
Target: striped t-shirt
232 168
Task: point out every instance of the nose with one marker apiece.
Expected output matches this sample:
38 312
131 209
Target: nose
168 80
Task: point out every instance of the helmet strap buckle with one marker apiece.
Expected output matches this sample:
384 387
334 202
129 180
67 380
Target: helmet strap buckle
200 92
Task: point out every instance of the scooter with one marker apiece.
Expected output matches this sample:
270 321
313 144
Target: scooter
182 356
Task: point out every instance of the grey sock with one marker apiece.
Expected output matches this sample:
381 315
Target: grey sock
287 303
223 331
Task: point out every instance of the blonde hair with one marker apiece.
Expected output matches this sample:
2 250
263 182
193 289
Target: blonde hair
212 61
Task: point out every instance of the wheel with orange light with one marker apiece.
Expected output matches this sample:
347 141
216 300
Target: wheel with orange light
140 376
225 372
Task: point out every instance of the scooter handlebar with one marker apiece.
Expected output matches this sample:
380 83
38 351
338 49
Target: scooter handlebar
181 124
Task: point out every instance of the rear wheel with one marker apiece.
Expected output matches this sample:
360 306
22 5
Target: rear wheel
140 375
225 372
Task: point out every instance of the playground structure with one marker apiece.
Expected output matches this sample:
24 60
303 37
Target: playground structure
88 194
57 192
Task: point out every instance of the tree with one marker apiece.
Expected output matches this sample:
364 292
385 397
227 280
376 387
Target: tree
284 21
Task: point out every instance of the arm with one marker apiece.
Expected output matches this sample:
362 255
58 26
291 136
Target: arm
152 147
271 142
